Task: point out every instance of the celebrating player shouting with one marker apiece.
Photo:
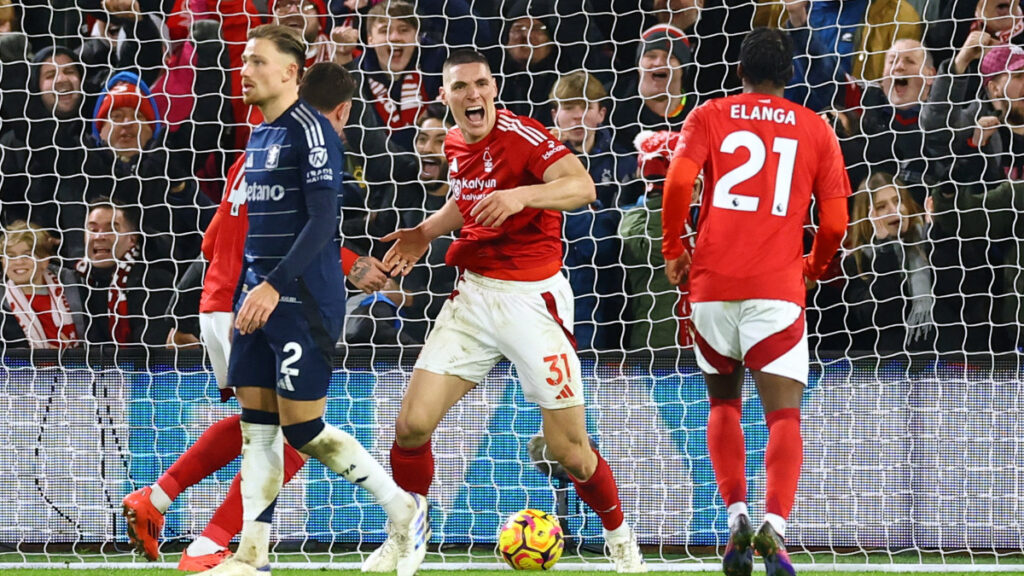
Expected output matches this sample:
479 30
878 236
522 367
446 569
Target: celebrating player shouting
509 181
763 157
292 308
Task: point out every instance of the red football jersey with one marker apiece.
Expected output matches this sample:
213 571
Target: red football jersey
528 245
224 245
763 157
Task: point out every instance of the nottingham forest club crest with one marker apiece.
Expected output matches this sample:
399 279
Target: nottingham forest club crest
488 161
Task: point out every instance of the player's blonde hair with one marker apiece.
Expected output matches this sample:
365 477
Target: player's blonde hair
287 40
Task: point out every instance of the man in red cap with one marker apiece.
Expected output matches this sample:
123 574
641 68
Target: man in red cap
126 119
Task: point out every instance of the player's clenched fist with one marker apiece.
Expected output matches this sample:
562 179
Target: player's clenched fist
497 207
256 308
410 245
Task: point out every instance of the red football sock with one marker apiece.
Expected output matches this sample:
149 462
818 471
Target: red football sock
215 449
413 468
227 520
602 494
782 460
726 448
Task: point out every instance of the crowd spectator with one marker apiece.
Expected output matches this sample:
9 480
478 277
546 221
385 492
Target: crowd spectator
542 39
652 300
43 157
837 43
593 247
957 124
654 97
41 308
134 163
889 294
125 295
886 136
125 36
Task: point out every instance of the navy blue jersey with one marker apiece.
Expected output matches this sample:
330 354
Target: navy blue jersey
293 171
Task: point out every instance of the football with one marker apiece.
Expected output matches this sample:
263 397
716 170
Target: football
531 540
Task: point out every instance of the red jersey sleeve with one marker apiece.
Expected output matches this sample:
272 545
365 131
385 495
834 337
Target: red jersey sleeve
693 143
546 152
831 180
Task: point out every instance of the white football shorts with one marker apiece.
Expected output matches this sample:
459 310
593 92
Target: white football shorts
530 323
215 333
765 335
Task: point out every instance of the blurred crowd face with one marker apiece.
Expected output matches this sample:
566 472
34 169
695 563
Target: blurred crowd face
528 41
661 75
60 86
394 42
888 214
126 131
577 121
108 237
265 72
430 148
1007 93
998 15
302 15
21 266
469 91
907 77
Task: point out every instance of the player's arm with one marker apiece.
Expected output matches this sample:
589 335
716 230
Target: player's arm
831 190
567 186
687 159
410 244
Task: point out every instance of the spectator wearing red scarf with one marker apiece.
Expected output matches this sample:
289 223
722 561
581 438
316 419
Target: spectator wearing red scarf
37 307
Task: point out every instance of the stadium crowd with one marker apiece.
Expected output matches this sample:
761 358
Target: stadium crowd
120 118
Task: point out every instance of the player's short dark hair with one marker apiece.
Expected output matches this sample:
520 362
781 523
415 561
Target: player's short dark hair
466 57
287 40
766 56
326 85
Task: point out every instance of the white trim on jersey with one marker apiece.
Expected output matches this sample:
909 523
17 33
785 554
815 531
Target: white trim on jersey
314 134
530 134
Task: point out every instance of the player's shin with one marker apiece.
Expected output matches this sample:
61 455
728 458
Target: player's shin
343 454
262 476
602 494
413 467
782 460
727 452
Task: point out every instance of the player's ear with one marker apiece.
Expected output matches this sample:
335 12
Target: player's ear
342 112
739 71
442 95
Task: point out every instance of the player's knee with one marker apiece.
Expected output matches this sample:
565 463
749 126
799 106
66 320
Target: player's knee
299 435
411 432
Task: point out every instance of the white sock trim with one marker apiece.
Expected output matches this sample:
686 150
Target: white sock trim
159 499
621 534
203 546
737 509
778 523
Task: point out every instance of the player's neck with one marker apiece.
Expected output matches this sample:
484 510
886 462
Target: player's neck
273 109
764 88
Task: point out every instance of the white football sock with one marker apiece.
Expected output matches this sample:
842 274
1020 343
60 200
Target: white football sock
737 509
777 522
262 476
159 499
203 546
342 453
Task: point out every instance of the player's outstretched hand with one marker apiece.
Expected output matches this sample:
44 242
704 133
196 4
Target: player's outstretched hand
256 308
679 269
497 207
368 274
410 245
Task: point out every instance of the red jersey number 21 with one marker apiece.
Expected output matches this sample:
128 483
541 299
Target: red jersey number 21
786 149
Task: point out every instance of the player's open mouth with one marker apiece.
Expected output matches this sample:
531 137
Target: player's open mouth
101 253
475 114
660 75
901 82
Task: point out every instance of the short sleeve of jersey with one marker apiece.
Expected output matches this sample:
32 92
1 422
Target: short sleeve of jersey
546 152
693 143
831 180
318 151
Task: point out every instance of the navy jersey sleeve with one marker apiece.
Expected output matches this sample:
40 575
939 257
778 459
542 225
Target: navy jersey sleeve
320 161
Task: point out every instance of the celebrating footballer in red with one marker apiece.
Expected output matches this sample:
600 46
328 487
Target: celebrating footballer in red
763 158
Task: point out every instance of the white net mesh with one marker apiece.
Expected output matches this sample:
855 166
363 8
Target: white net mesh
910 421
